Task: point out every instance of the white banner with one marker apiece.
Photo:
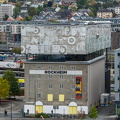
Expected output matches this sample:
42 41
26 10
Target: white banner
65 72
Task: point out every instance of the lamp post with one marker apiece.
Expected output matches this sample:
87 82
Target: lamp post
35 95
11 109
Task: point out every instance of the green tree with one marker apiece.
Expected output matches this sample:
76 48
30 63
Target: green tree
16 50
32 11
39 9
82 3
5 17
19 4
4 89
64 6
91 14
74 8
16 12
93 112
44 5
27 18
15 88
13 82
50 3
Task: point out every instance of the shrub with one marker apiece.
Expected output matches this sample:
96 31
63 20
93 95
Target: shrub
43 114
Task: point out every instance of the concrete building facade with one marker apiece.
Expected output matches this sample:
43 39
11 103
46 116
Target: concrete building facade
67 70
6 9
117 74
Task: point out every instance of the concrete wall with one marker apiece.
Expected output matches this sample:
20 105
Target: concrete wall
96 81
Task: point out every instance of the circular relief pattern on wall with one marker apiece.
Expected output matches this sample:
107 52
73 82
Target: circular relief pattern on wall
54 28
59 31
56 48
67 29
22 49
71 40
37 30
63 49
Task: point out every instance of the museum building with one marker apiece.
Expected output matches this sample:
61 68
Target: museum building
65 67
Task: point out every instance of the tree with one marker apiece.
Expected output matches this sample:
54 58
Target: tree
64 6
39 9
4 89
91 14
19 4
74 8
16 12
4 2
44 5
15 88
16 50
50 3
13 82
5 17
93 112
27 18
32 11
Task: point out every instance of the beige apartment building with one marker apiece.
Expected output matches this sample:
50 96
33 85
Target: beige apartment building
104 14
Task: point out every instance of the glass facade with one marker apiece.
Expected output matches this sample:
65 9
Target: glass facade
68 57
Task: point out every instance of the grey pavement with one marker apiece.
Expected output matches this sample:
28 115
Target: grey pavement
104 112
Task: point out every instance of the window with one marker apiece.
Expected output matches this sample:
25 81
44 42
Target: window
38 67
50 86
38 76
61 97
55 107
61 76
73 67
72 96
38 86
73 87
50 97
22 84
72 77
50 67
49 76
61 67
118 54
38 95
61 86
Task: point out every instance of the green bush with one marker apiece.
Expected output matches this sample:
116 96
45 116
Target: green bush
43 114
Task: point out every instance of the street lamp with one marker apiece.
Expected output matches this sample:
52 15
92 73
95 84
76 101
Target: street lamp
11 109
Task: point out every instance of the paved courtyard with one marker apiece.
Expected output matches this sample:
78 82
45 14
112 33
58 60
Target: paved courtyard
104 112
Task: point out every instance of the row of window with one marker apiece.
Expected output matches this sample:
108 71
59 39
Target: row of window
60 67
61 97
50 76
61 86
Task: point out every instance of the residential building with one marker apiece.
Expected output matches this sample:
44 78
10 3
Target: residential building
66 72
104 13
117 77
24 8
115 41
6 9
1 1
117 10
